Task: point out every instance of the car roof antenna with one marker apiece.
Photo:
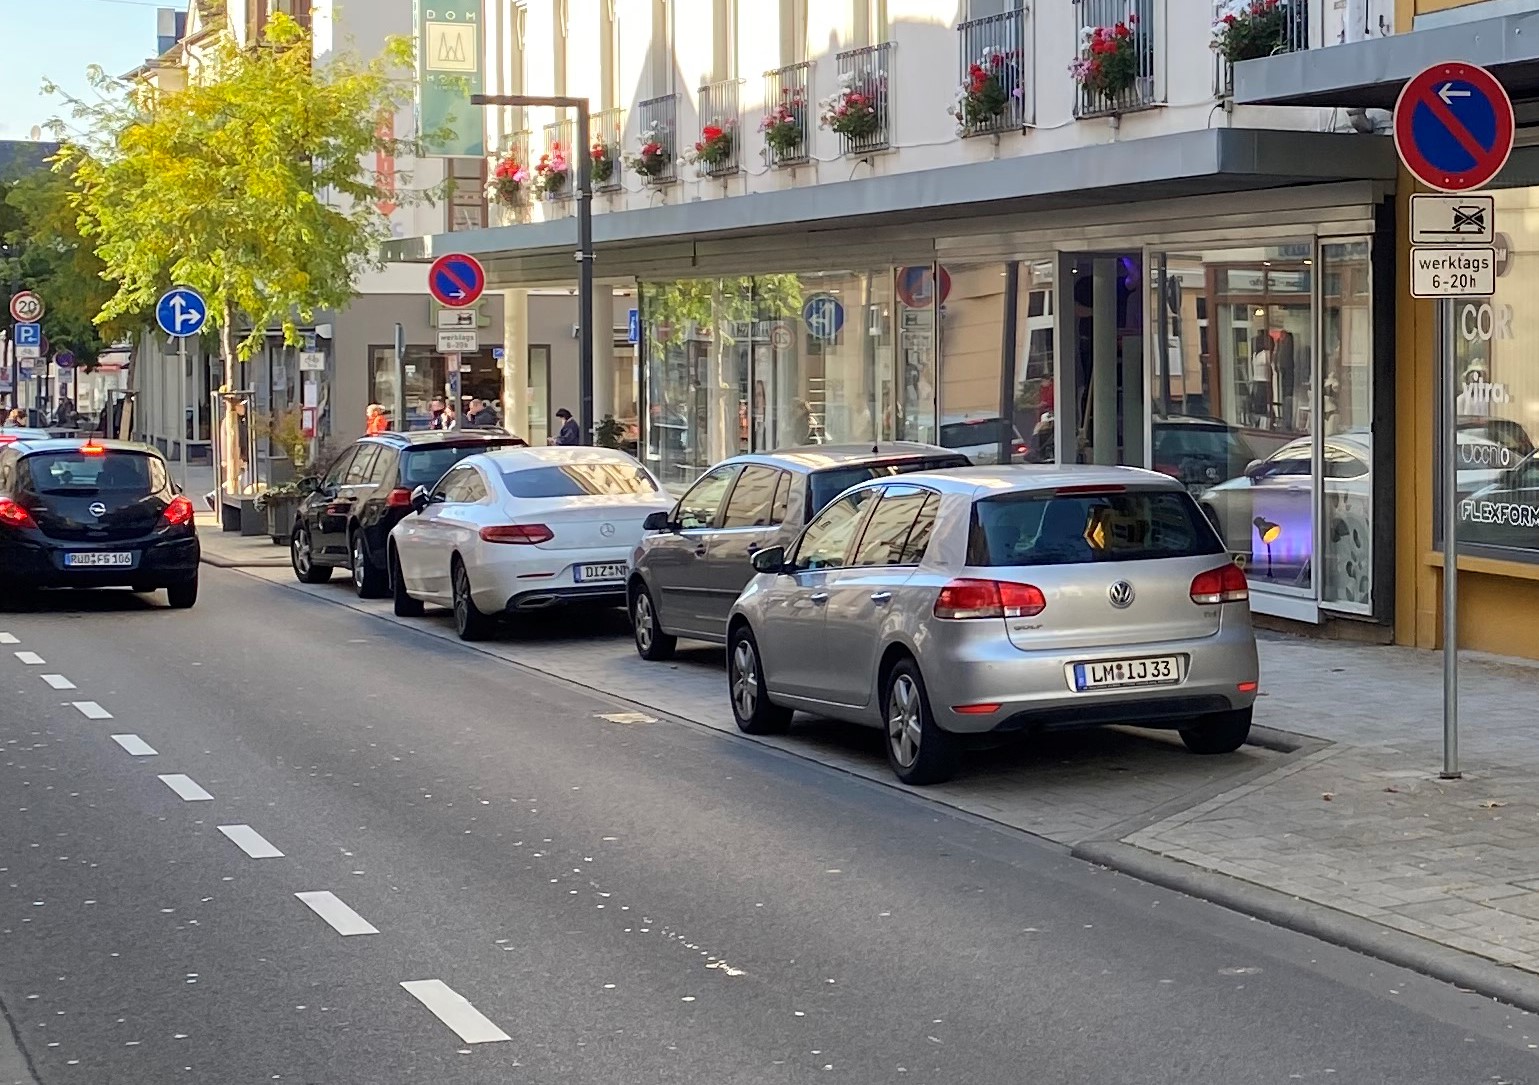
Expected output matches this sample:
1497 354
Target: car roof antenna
876 450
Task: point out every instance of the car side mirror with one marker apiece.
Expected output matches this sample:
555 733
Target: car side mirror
307 485
1252 469
421 498
772 559
656 521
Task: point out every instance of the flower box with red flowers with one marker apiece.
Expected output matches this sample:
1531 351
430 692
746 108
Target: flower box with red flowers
785 126
714 147
1251 29
1107 64
553 172
508 181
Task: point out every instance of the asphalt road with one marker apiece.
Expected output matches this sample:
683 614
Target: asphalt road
539 894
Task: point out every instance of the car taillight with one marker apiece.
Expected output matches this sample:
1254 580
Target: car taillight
13 515
398 498
1022 449
90 448
520 534
1226 584
989 599
179 511
8 438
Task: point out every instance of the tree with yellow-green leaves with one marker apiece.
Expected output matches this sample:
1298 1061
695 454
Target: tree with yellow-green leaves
255 184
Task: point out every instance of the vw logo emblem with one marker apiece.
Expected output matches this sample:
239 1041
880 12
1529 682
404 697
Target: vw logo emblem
1120 594
607 530
98 510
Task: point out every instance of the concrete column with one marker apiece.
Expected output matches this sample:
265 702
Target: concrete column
603 354
1103 360
515 361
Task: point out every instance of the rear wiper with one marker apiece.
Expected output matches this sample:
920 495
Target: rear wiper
69 491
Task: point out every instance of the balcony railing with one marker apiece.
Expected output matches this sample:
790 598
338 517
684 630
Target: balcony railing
788 115
1122 81
1279 28
864 100
658 125
607 131
993 92
719 109
558 183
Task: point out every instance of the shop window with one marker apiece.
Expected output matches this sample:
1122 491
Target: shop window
972 326
1495 344
1035 354
1233 415
1346 419
427 378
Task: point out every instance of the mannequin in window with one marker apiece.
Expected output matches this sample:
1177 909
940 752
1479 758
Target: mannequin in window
1261 379
1285 375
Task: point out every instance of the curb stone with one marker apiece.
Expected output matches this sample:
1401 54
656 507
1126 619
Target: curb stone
1484 977
244 563
15 1066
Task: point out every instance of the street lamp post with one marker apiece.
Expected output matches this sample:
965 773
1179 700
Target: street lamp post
584 234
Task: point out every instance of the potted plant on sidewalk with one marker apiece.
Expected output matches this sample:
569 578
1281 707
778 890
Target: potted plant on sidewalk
281 506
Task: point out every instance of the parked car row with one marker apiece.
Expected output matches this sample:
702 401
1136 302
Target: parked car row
894 585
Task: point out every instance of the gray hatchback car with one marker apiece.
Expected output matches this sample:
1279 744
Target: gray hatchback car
689 569
996 600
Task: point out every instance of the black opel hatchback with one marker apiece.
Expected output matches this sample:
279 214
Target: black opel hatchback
94 514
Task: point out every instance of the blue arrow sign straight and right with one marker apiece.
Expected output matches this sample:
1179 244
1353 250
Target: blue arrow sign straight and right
181 311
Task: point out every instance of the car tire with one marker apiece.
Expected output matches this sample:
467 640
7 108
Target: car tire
652 644
1222 732
368 581
918 751
469 623
302 558
404 605
183 596
752 708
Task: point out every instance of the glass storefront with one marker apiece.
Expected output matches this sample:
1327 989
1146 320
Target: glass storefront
1495 345
1245 371
428 378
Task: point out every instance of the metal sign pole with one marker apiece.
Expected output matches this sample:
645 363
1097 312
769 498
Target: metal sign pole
181 398
1450 554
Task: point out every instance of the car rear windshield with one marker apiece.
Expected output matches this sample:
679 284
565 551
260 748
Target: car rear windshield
830 483
983 431
425 466
1074 528
607 479
113 473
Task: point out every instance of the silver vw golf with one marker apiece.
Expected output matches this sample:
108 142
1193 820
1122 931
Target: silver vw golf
990 600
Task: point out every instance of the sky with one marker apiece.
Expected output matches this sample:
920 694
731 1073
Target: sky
57 40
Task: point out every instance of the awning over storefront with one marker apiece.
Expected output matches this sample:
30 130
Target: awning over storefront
1207 162
1369 74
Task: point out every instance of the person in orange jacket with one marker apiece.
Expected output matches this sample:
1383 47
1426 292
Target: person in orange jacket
375 420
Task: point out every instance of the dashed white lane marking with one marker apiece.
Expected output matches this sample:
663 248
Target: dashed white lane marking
454 1009
250 841
31 659
8 638
186 787
92 711
57 681
343 919
135 745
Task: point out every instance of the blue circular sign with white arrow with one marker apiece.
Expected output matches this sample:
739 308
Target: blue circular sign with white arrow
181 311
824 316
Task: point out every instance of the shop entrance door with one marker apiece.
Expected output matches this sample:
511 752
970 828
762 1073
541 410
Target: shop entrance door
1104 414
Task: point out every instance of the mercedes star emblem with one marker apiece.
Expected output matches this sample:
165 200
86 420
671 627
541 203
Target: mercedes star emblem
1121 594
607 530
98 510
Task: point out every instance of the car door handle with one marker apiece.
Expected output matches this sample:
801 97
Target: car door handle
881 598
819 598
699 551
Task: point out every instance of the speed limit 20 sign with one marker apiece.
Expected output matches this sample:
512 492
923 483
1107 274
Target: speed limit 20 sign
26 307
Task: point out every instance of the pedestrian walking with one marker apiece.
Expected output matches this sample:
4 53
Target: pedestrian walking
570 433
375 420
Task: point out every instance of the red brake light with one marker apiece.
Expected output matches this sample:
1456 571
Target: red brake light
13 515
963 599
8 438
91 449
1082 491
518 534
1226 584
179 511
398 498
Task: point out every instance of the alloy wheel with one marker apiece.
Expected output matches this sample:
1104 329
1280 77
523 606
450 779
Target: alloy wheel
358 570
301 547
904 726
461 598
643 621
745 679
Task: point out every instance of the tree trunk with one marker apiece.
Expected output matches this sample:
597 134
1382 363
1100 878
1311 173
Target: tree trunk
229 425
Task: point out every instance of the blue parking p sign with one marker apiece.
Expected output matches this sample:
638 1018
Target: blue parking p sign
29 335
